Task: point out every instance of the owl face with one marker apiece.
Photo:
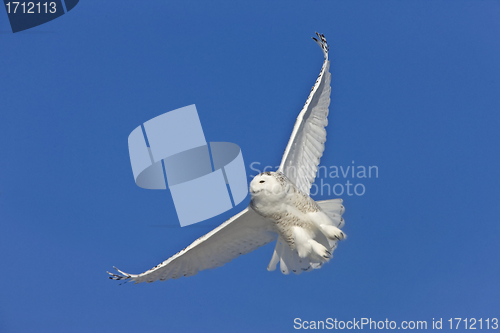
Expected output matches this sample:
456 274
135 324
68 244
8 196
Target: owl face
268 184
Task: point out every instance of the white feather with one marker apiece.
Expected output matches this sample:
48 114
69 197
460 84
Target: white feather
307 143
239 235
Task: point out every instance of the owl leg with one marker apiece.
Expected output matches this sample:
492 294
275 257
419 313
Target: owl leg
319 252
332 232
307 247
276 257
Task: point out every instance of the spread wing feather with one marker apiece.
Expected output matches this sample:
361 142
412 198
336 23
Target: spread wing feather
241 234
307 143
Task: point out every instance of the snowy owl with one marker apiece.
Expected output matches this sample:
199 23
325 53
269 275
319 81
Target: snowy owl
307 231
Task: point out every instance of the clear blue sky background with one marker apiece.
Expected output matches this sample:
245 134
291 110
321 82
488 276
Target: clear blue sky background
415 92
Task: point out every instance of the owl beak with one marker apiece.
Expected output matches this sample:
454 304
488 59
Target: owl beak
254 191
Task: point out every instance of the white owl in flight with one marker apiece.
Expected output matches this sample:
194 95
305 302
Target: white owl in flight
307 231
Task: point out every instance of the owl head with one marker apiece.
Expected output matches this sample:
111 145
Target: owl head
269 184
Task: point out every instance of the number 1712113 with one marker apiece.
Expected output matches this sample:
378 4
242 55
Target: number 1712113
16 7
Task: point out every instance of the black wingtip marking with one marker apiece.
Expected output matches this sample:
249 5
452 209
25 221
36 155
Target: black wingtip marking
322 42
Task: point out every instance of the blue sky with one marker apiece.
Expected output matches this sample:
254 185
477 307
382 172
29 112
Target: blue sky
415 92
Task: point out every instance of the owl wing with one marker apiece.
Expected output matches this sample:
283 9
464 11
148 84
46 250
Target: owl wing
307 143
241 234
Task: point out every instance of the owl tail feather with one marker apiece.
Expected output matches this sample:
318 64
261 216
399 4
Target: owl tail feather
289 260
334 209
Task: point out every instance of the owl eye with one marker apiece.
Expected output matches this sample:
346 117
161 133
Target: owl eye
262 181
